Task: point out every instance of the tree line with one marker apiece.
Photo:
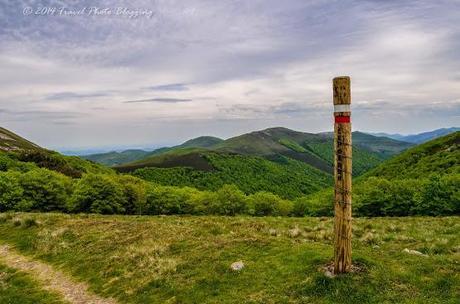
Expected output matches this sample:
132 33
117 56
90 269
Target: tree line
41 189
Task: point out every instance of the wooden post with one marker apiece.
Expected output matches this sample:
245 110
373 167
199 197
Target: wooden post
342 174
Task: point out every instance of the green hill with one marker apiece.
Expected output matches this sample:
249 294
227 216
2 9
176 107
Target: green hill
285 162
440 156
315 150
23 155
13 142
118 158
208 170
424 180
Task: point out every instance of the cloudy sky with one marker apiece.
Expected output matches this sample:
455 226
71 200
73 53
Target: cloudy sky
152 73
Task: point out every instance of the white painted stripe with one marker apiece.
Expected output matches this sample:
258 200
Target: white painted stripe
342 108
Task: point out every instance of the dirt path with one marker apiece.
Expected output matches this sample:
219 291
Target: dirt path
52 279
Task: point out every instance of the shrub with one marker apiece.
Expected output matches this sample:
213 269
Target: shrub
440 196
134 191
169 200
203 202
266 203
301 206
98 193
44 190
10 191
230 201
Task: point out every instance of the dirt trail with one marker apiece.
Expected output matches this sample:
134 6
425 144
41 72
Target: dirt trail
52 279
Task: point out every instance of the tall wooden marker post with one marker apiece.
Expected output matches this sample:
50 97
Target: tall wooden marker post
342 174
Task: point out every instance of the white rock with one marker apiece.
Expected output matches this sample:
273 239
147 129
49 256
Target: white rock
414 252
237 266
329 274
273 232
294 232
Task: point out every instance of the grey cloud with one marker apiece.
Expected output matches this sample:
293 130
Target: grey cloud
74 96
41 114
161 100
170 87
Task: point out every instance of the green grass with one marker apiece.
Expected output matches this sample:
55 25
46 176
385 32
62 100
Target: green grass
19 287
170 259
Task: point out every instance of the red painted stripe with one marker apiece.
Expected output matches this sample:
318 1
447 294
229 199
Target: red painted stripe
342 119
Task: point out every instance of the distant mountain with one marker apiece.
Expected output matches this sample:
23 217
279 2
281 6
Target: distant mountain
315 150
117 158
279 160
421 137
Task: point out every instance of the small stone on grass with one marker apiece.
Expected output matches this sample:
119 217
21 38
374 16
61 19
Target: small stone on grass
237 266
414 252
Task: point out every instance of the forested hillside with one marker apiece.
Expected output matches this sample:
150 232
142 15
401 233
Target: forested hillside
127 156
303 159
285 177
422 180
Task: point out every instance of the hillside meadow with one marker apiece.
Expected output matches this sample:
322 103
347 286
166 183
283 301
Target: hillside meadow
186 259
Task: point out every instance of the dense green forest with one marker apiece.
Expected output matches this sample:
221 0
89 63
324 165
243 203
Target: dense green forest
282 161
286 177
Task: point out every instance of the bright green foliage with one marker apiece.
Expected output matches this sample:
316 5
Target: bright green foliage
230 201
68 165
44 190
286 178
363 160
169 200
440 156
266 203
134 192
9 161
318 204
293 145
10 191
98 193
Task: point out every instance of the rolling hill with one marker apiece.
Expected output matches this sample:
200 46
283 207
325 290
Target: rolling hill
118 158
439 156
285 162
423 180
10 141
314 149
19 153
275 144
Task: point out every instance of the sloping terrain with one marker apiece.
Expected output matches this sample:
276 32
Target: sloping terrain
422 180
118 158
275 144
17 152
285 177
439 156
13 142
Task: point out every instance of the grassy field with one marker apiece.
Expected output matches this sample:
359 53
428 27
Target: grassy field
171 259
19 287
